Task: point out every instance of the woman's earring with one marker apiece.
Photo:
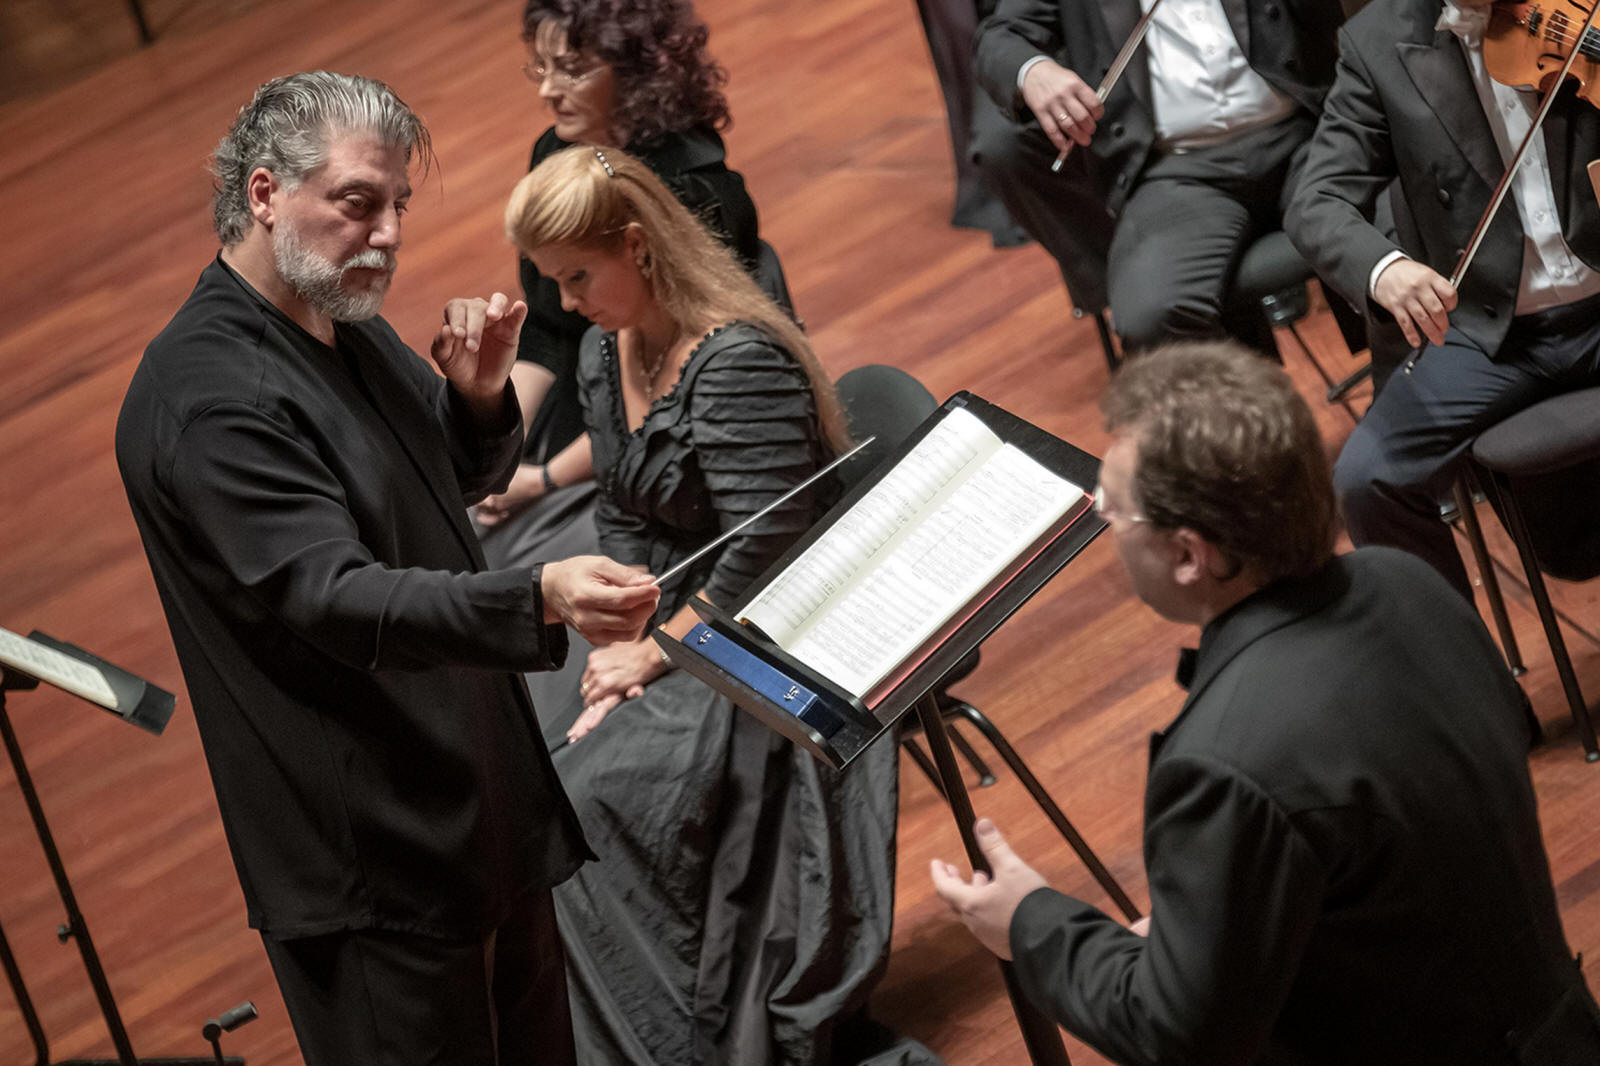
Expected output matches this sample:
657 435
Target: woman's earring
644 266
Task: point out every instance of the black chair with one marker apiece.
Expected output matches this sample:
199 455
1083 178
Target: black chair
1272 277
1542 466
888 403
768 274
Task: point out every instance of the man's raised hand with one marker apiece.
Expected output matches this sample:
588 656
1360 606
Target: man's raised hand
476 345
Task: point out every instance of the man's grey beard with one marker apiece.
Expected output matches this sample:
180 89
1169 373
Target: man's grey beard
320 282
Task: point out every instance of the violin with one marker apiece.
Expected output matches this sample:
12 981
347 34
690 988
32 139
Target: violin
1538 44
1529 44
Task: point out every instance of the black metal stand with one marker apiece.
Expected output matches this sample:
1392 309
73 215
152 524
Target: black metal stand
41 1046
75 929
1336 391
1517 525
1473 531
1039 1033
140 23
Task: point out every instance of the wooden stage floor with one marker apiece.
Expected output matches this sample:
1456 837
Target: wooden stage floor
104 207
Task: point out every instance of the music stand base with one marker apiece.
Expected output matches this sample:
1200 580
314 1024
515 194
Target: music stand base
1040 1035
77 929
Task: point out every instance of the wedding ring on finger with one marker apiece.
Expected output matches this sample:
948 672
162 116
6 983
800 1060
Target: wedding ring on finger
1061 118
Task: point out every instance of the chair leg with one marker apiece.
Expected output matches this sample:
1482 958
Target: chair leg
1085 853
1518 528
1337 391
925 764
1108 346
961 744
1491 582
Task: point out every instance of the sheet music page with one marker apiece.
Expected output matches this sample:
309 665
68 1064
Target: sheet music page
911 553
51 666
993 516
916 485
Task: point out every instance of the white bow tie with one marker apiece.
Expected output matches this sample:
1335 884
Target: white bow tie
1467 23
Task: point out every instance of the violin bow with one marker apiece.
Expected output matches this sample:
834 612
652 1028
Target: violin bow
1516 159
1118 65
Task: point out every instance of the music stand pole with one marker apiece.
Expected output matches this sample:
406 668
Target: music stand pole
1039 1034
19 991
75 928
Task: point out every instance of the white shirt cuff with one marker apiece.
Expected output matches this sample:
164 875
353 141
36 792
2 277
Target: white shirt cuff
1372 278
1022 72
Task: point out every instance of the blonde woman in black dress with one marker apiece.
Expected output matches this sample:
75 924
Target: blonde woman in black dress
740 908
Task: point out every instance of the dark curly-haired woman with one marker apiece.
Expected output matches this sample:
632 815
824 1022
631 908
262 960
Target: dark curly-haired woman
620 73
630 74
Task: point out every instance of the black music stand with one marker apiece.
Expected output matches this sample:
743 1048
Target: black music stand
149 708
845 726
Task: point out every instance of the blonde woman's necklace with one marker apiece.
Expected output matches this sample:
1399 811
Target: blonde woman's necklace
650 369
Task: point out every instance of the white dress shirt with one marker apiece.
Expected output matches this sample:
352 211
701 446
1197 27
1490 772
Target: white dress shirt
1551 274
1202 90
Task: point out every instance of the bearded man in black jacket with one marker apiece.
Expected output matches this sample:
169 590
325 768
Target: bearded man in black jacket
299 478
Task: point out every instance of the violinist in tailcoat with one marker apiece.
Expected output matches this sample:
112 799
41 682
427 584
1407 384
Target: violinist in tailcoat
1413 105
1187 163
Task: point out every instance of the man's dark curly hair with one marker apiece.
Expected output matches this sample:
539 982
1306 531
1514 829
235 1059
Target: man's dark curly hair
666 83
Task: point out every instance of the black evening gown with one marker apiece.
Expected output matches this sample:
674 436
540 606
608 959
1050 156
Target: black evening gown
741 906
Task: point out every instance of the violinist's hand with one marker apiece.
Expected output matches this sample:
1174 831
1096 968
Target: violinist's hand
1418 298
1065 105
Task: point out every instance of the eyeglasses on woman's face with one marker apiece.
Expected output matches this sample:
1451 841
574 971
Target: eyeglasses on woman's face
567 73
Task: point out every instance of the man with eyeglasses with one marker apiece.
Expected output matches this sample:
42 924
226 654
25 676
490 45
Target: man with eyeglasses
1340 837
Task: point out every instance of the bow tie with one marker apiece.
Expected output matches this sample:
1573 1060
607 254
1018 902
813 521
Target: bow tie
1467 23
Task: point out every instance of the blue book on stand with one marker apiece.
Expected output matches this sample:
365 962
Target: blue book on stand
755 673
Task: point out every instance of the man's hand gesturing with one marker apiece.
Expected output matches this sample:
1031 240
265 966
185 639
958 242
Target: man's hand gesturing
476 345
986 903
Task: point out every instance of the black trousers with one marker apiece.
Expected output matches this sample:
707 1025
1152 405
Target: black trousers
1165 265
1400 459
379 998
1186 226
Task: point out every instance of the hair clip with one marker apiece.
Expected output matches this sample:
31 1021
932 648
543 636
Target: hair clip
598 154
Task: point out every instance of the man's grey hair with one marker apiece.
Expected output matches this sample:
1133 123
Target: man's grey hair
286 126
